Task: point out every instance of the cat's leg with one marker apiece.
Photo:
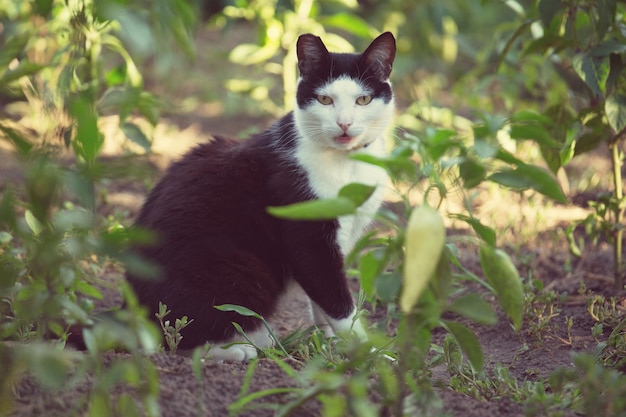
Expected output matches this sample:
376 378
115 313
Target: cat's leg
317 265
320 319
350 324
242 351
332 327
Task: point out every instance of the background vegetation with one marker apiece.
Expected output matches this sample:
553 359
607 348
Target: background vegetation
511 106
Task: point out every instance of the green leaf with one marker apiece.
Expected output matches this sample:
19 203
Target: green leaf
388 286
20 142
136 135
395 165
530 177
100 404
126 406
606 16
183 34
588 142
50 366
87 289
507 157
350 197
242 402
24 68
502 275
325 209
5 238
115 76
369 267
615 108
533 132
248 53
32 222
468 342
115 97
351 23
484 232
88 140
530 116
239 310
196 362
43 7
13 48
442 285
548 9
472 172
357 193
608 47
485 148
593 70
149 107
473 307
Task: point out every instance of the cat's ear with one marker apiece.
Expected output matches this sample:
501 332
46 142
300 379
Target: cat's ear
311 53
380 54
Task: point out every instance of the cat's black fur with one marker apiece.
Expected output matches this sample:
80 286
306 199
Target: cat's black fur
216 242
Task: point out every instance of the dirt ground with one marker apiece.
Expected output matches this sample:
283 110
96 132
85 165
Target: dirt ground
526 356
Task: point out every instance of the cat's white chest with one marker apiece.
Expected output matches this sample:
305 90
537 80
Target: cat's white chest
328 170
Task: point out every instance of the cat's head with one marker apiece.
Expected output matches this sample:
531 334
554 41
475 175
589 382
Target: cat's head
344 101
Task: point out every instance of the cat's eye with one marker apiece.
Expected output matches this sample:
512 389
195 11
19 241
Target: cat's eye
364 100
325 100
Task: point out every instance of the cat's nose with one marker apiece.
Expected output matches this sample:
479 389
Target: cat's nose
344 126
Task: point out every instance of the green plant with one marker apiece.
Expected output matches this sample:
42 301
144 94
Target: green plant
607 312
63 66
578 47
172 334
600 390
542 307
612 352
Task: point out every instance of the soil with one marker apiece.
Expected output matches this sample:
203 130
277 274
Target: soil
528 355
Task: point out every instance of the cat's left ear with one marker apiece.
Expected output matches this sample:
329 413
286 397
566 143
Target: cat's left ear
380 54
311 53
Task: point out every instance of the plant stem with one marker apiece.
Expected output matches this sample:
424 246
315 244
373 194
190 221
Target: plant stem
618 209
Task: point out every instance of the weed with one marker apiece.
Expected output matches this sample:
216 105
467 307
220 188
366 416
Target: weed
171 333
541 309
607 311
537 397
197 359
601 392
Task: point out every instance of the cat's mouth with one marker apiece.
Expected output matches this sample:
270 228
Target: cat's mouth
344 139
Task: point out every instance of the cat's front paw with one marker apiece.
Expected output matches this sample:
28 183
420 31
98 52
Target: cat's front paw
349 325
242 352
233 353
327 330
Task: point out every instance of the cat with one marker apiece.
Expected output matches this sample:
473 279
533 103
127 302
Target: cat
217 244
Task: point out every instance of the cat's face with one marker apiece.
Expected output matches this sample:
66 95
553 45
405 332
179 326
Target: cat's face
344 101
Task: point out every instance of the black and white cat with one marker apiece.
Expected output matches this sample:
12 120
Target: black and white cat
216 242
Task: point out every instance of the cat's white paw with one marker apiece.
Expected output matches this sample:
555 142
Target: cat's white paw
234 353
326 329
244 351
349 325
332 327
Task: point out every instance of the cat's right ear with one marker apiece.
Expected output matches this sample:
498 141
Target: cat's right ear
311 53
